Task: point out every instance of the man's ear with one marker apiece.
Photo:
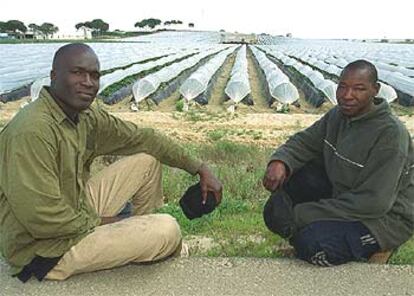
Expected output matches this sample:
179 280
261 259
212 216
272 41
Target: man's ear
52 75
377 88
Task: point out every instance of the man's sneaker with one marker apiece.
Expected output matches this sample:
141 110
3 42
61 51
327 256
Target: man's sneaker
182 251
185 251
380 257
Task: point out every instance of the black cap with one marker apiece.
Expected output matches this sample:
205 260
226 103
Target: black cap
191 202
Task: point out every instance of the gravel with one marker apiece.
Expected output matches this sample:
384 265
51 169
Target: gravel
225 276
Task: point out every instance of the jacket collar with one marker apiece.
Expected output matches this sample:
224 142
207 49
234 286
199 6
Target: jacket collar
381 107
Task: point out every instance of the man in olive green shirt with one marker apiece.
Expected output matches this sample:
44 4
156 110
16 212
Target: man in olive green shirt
343 189
56 221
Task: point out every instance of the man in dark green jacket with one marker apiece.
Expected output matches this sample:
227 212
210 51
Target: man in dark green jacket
56 220
343 189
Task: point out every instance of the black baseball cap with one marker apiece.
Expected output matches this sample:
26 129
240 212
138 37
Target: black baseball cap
192 202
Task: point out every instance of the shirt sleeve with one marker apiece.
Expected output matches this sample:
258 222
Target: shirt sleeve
302 146
372 196
33 190
118 137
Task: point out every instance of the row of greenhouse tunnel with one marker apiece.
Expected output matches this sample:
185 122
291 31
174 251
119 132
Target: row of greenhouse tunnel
287 73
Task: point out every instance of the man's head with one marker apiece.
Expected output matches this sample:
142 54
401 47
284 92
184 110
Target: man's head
357 87
74 77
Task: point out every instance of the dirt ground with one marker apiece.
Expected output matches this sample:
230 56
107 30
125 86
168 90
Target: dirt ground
201 125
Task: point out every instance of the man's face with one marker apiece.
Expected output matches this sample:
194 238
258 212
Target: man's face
75 80
355 92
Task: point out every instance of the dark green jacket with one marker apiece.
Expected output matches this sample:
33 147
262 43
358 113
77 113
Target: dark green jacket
44 165
369 160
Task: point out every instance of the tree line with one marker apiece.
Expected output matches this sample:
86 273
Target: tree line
153 22
18 28
98 26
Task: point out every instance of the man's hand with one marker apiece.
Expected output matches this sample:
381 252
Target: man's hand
275 175
209 182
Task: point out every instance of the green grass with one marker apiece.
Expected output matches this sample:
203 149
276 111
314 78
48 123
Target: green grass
179 105
215 135
105 72
224 134
196 115
399 110
236 226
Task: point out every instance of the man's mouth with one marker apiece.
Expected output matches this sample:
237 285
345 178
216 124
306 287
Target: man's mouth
347 106
86 94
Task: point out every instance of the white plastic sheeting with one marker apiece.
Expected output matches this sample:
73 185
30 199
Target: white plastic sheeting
279 84
149 84
36 87
238 86
115 76
22 64
327 87
398 80
387 92
179 38
198 81
401 55
394 62
120 74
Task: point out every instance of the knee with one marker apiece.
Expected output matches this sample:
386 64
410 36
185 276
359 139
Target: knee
168 232
318 251
143 159
277 216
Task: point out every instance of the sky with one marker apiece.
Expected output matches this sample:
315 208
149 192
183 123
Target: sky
353 19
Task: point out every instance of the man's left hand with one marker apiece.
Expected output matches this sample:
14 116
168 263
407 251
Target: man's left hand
209 182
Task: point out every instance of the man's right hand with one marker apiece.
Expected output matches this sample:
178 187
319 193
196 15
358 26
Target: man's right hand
275 175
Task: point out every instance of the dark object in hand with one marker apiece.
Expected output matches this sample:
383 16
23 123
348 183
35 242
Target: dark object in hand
192 205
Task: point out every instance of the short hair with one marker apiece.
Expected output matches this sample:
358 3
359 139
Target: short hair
363 65
65 49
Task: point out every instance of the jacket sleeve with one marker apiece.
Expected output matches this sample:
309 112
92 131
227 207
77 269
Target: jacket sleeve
372 195
33 189
303 146
118 137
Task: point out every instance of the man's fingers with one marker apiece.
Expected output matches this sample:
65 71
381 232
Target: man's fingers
271 184
218 196
204 194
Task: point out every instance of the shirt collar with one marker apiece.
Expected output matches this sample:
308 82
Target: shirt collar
57 112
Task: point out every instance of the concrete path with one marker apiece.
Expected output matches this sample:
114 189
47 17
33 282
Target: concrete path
225 276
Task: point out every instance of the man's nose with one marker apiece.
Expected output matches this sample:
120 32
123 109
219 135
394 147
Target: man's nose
87 80
348 93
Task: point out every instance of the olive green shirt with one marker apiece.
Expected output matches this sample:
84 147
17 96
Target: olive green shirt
44 165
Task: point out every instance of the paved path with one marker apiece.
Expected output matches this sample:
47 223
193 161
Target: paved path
225 276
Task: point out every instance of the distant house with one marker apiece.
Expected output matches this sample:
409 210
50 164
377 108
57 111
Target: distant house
4 36
238 38
81 33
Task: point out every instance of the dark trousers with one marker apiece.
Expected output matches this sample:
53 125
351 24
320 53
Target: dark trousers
324 243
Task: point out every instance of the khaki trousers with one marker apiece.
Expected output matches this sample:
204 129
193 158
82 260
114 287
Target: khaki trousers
143 237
